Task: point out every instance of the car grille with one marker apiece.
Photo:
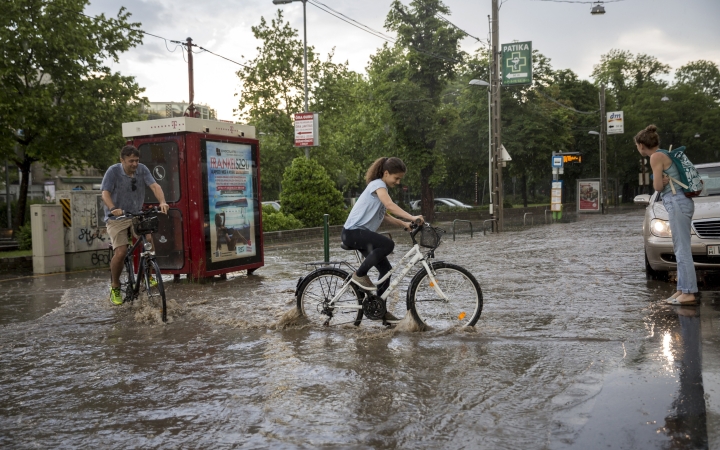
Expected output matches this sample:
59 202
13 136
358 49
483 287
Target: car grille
707 229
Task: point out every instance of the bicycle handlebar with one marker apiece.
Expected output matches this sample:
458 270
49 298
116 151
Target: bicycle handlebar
129 215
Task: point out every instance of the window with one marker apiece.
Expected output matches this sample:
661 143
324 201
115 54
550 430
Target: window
162 158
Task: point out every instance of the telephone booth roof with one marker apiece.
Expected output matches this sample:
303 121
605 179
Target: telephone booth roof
186 124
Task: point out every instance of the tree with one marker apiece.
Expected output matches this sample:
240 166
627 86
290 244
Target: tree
309 193
702 75
273 90
59 102
411 77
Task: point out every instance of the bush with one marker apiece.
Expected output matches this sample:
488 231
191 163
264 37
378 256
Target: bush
275 220
308 193
24 237
507 203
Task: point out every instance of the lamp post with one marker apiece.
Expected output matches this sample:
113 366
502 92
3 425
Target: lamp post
304 2
490 184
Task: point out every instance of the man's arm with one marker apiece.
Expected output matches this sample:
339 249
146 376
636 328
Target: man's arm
110 205
157 190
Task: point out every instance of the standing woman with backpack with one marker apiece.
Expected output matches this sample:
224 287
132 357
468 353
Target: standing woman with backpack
680 210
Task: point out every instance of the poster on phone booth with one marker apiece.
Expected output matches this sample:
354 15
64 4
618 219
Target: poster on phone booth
589 196
230 200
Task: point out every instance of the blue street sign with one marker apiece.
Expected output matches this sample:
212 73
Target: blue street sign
557 161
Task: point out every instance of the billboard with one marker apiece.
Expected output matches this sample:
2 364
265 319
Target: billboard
231 201
588 195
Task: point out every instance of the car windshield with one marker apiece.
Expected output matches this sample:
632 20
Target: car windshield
711 180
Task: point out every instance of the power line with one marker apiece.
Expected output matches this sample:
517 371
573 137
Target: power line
455 26
179 43
369 30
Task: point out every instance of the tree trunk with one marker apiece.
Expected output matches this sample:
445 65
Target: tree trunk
426 194
523 187
24 167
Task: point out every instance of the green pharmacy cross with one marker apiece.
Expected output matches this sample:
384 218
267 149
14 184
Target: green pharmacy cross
517 65
516 62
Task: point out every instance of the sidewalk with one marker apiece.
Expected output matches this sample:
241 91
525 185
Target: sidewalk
710 343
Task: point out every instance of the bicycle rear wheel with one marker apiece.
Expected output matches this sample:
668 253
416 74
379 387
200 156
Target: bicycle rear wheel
153 285
464 297
319 288
127 280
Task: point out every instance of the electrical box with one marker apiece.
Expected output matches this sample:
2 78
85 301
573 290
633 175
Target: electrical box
85 238
47 237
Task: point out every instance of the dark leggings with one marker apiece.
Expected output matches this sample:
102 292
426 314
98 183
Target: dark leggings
375 248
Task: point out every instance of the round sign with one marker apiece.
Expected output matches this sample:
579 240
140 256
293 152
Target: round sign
159 172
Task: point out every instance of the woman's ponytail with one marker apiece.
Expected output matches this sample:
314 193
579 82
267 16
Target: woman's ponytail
376 171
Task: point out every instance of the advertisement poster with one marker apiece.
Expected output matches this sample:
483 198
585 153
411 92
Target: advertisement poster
588 196
615 122
230 201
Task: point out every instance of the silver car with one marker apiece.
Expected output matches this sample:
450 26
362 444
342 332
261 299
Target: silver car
705 232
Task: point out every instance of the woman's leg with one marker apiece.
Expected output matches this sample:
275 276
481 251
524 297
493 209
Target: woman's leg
680 211
375 248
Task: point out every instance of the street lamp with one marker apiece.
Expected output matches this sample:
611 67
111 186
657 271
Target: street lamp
304 2
599 135
597 9
485 83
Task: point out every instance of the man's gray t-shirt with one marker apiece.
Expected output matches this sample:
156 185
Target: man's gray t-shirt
119 185
368 212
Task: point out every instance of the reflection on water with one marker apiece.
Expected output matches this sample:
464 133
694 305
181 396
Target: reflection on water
558 359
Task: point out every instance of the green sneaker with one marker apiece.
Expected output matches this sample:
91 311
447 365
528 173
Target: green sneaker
153 282
116 296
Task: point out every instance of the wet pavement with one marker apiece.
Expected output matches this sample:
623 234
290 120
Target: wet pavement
573 350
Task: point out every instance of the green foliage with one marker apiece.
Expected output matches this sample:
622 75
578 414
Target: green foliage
59 101
276 220
24 237
308 193
273 90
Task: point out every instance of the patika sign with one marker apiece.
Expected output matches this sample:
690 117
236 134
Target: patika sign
517 63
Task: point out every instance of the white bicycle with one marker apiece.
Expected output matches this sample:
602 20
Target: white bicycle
441 295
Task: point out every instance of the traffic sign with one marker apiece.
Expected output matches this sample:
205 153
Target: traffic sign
306 130
557 161
517 63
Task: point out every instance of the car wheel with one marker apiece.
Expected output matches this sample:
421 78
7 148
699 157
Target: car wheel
652 274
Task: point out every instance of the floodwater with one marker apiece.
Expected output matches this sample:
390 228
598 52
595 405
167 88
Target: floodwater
573 350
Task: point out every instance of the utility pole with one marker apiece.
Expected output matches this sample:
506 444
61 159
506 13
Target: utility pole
191 106
603 151
495 81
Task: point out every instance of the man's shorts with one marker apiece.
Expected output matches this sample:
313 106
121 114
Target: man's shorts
118 232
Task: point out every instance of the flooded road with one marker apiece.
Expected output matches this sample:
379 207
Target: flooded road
573 350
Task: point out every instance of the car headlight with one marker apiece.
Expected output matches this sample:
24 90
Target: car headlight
660 228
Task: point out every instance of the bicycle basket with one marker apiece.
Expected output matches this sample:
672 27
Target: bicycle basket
430 236
145 225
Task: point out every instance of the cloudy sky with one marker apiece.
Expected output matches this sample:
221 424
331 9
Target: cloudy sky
674 31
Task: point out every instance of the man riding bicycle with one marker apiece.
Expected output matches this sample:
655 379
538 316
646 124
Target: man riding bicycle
123 189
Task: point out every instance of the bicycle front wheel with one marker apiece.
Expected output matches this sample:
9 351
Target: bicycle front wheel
127 280
153 284
319 288
464 298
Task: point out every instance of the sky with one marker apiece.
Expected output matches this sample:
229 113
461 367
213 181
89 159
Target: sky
674 31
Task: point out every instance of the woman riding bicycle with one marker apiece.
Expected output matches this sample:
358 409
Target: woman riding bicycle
359 231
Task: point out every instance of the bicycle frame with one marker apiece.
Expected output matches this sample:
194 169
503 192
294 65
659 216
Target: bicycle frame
145 255
415 256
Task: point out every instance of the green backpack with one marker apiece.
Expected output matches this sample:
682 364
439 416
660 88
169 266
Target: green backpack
690 180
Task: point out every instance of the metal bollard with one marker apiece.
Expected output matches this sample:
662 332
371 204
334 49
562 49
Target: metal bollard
326 237
531 218
465 221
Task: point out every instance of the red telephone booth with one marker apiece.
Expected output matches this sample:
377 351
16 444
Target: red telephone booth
210 174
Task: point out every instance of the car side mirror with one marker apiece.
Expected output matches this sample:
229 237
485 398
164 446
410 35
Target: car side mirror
642 199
